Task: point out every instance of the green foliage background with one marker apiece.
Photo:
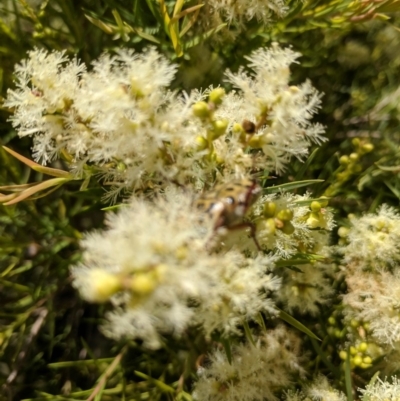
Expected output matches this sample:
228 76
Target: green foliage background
50 346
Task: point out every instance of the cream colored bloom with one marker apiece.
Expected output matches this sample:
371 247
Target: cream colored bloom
255 373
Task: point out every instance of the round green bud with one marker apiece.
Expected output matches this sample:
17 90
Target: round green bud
219 128
343 355
367 147
255 142
355 141
143 284
367 360
362 347
357 168
332 321
269 209
237 128
357 360
201 110
313 220
315 206
353 350
216 95
354 156
338 333
354 323
366 366
121 166
270 226
285 215
344 160
201 143
288 228
343 232
103 285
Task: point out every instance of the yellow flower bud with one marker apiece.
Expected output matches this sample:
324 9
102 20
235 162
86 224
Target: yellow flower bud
269 209
269 225
285 215
219 128
288 228
255 142
313 220
315 206
354 156
103 285
362 347
368 147
343 232
143 283
216 95
201 110
201 143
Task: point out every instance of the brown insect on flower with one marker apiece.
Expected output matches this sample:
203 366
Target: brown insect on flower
227 205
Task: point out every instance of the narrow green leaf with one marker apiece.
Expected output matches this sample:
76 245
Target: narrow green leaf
151 5
227 347
347 377
307 202
185 12
71 364
248 332
107 28
54 172
295 323
178 7
394 169
201 38
261 322
334 369
395 191
300 259
146 35
305 166
161 385
85 183
291 185
53 182
113 207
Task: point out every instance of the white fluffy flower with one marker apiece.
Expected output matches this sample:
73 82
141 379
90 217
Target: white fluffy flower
153 263
121 121
379 390
373 240
236 11
319 390
281 112
255 373
306 290
375 298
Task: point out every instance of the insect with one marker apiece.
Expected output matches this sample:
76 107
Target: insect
227 205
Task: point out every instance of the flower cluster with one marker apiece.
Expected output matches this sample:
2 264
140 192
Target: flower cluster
120 119
372 276
379 390
153 263
318 390
287 224
373 241
245 10
255 373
